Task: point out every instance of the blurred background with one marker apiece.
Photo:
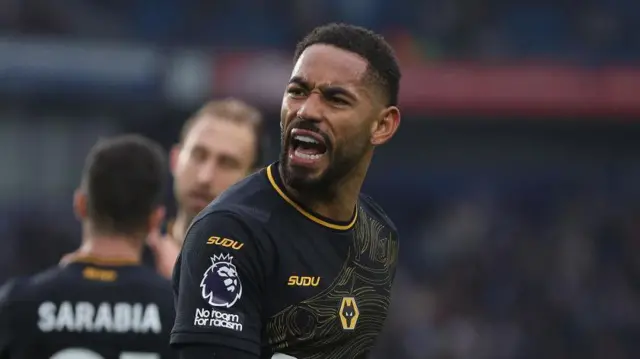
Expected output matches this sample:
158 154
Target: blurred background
513 179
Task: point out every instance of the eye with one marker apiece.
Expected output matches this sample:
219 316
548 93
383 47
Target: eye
230 162
338 101
199 154
296 92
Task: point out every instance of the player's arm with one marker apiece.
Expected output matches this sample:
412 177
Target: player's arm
220 285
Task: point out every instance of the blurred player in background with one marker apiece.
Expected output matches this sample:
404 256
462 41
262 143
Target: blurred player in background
219 145
294 262
100 302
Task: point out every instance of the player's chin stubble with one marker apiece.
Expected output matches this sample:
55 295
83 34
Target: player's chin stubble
321 185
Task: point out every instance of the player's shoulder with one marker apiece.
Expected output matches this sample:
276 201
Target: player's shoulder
250 201
146 277
11 291
238 218
21 288
59 278
19 291
375 211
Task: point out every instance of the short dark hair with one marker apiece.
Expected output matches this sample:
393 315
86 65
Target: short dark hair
124 179
237 111
383 65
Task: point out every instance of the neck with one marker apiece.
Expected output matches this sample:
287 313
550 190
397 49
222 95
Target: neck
340 205
109 247
180 224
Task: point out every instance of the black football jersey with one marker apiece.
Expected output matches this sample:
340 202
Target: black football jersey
259 272
87 309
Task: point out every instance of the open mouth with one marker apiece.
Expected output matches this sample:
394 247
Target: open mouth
307 145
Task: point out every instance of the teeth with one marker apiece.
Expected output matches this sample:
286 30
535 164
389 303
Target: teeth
306 139
307 156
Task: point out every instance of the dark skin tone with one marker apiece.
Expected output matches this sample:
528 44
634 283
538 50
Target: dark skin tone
331 88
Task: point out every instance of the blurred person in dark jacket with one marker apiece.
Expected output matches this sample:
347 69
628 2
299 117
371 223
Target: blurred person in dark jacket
100 302
219 145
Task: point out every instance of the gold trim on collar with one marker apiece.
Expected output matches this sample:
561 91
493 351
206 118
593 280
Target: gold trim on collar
109 262
340 227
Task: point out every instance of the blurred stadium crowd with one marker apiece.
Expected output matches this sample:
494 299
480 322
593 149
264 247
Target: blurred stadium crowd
520 237
587 31
546 276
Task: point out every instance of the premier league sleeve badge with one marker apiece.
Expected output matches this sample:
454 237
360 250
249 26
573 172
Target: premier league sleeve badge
221 286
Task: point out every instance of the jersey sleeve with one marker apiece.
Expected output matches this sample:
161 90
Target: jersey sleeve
219 282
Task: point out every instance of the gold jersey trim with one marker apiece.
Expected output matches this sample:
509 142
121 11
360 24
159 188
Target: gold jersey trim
309 215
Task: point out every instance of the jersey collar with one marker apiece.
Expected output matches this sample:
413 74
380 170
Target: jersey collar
273 175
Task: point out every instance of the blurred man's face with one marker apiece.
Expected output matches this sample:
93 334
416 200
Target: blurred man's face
215 154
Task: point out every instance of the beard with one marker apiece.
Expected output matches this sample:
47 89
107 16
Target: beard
342 159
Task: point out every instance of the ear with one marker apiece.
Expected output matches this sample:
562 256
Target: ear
157 218
386 126
173 157
80 204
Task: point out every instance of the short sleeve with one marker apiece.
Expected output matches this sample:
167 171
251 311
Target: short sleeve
219 285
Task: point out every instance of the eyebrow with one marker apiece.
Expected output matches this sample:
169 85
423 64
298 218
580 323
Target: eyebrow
327 90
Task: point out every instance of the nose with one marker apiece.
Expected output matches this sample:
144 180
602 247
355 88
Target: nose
312 108
207 172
